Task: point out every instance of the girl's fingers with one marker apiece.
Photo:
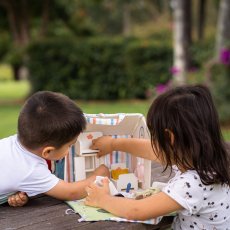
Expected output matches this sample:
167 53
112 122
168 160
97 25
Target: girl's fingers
99 154
87 190
105 180
86 201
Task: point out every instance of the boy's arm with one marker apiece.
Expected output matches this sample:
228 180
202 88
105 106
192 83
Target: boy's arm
76 190
18 199
136 146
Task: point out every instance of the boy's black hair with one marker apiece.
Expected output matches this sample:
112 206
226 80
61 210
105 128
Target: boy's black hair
189 113
49 119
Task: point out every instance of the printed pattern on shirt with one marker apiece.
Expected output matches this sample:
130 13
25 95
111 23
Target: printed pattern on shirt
205 206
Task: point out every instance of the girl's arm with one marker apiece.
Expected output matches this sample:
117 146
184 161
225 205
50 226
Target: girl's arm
135 146
154 206
76 190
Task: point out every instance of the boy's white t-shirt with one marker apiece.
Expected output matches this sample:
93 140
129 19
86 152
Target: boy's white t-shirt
21 170
205 206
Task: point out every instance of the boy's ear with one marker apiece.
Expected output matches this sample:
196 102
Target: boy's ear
170 135
46 152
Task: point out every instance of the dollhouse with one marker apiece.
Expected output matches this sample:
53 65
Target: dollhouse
126 170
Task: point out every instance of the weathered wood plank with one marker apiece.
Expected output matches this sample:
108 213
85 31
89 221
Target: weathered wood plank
47 213
43 212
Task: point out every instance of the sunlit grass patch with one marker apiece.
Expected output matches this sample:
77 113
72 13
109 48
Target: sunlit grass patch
12 90
6 73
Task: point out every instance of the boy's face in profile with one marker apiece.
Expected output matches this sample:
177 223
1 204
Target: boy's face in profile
57 154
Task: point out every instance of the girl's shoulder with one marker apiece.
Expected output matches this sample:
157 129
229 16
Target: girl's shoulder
190 182
187 190
185 183
189 175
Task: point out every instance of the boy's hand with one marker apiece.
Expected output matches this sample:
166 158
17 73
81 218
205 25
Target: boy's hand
102 170
103 144
96 193
18 199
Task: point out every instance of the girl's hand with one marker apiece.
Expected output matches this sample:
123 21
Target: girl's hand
103 144
96 194
18 199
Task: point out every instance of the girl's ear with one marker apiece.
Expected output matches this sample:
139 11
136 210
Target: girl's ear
46 152
170 135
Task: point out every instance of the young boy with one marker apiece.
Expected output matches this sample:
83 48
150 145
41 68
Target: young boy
48 124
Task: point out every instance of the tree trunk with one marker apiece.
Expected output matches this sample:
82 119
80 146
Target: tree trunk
182 40
126 20
24 23
9 6
187 8
223 27
201 19
45 18
16 72
18 17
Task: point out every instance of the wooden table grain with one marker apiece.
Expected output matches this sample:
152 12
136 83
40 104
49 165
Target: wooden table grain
46 213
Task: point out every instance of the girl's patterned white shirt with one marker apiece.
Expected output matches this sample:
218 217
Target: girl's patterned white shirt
205 206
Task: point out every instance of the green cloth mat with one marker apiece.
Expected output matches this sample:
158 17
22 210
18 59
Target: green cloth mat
89 213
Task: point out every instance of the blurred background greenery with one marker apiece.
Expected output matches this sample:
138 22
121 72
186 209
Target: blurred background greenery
111 55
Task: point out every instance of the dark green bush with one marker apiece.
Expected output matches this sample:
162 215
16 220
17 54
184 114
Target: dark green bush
201 52
220 88
98 68
4 45
148 64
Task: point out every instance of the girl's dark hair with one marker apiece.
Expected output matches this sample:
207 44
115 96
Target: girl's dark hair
49 118
188 112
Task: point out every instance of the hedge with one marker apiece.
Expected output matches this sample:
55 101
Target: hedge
99 68
219 77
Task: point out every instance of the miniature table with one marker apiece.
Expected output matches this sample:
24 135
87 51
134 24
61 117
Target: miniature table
46 213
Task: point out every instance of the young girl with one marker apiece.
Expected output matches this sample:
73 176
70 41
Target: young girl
185 133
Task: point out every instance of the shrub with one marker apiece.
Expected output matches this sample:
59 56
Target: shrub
4 45
220 84
98 68
148 64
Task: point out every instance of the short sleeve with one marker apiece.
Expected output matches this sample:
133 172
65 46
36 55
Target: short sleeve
39 181
187 190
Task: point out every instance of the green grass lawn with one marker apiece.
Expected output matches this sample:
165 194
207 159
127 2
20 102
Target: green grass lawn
226 134
12 95
9 113
8 121
11 90
6 73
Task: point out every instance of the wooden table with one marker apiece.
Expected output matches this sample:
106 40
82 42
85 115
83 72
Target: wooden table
46 213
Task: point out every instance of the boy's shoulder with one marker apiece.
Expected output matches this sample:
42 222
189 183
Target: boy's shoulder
8 141
13 150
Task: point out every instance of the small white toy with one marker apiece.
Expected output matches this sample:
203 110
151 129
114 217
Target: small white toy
113 190
124 180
